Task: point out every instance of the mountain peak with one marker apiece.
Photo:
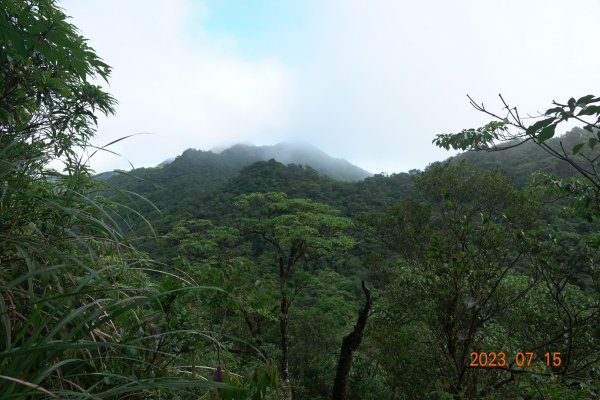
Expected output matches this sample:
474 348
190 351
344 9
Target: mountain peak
302 153
298 153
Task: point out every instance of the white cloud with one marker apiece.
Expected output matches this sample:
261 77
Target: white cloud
173 82
389 75
369 80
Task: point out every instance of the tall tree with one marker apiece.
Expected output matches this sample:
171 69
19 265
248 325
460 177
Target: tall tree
297 231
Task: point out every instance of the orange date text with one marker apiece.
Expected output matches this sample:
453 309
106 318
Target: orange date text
520 359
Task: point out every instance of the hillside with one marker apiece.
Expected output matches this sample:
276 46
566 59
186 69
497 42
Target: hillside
199 183
202 184
522 161
303 154
241 155
405 215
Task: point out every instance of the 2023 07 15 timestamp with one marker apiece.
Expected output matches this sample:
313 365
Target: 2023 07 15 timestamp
492 359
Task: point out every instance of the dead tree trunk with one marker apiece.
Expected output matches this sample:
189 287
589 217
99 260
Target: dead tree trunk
349 345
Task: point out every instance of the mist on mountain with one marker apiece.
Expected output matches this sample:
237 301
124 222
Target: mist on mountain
300 153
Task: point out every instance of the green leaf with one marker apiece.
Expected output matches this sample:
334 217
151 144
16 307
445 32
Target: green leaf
590 110
539 125
546 133
585 99
592 143
577 147
16 40
60 39
553 110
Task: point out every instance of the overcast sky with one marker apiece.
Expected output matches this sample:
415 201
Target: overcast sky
372 81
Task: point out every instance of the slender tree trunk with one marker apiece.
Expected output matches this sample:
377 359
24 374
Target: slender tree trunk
286 390
349 345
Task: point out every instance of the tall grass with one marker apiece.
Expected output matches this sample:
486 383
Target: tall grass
79 317
70 291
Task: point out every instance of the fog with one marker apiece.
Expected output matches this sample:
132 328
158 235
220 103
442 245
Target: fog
369 81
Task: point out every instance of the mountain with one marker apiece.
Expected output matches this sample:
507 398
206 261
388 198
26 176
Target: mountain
105 175
166 162
522 161
297 153
196 183
240 155
202 184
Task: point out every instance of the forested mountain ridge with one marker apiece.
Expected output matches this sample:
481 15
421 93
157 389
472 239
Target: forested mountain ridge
241 155
201 183
524 160
302 154
187 189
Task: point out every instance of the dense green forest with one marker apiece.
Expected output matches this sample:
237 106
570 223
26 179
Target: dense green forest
217 276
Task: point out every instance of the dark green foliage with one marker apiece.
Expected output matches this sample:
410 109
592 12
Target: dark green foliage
206 189
446 239
560 258
528 158
511 131
202 178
